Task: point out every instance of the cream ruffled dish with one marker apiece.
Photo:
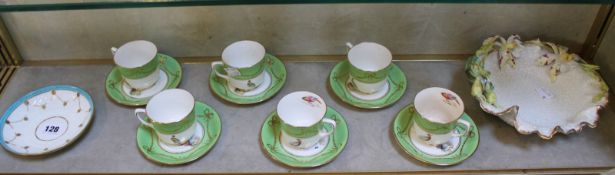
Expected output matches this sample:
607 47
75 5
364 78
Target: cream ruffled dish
537 87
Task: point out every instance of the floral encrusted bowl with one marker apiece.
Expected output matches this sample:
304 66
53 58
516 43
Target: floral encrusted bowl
537 87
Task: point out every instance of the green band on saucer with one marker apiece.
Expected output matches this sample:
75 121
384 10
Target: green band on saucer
367 76
175 127
142 71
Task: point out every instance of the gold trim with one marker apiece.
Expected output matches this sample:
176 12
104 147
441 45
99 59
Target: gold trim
6 72
597 32
287 58
9 51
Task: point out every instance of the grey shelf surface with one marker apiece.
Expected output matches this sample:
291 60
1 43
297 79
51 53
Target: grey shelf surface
110 144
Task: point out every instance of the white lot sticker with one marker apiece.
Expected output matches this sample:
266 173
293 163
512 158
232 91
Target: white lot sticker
545 94
51 128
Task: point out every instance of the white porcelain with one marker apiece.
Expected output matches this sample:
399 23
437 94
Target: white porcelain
439 105
449 145
46 120
199 132
259 89
379 93
241 54
243 85
301 109
135 54
369 88
527 96
371 57
436 140
287 141
144 83
304 109
169 106
157 87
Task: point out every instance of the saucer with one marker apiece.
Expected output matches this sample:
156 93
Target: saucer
463 147
363 96
120 92
271 145
149 92
207 118
396 81
317 148
277 76
194 140
46 120
260 89
423 146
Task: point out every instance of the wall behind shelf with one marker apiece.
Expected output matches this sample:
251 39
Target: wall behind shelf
295 29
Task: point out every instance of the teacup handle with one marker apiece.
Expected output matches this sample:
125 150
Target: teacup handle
139 112
468 128
349 45
113 50
216 64
327 133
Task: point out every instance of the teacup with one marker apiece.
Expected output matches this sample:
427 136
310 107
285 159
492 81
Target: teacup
171 115
370 63
242 65
303 123
138 63
438 113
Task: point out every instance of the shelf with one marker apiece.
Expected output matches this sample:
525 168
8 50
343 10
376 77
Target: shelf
110 145
23 5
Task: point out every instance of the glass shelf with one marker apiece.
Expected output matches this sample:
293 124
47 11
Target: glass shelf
47 5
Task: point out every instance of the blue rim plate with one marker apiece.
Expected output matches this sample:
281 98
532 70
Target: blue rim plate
46 120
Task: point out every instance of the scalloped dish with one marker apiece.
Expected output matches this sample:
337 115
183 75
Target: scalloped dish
537 87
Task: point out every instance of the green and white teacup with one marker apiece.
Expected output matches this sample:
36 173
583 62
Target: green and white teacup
370 63
242 65
138 63
171 114
303 123
438 116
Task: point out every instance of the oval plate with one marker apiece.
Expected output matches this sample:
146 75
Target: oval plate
46 120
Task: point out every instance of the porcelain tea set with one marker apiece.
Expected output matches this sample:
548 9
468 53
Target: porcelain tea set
140 73
302 131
